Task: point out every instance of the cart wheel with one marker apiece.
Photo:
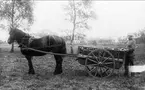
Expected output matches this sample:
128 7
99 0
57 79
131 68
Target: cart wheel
100 63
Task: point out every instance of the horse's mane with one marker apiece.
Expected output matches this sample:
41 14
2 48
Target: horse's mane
55 37
16 30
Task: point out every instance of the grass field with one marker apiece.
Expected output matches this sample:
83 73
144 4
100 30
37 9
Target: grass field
14 68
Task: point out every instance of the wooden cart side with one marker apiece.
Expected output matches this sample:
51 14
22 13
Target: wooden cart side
83 53
85 50
119 57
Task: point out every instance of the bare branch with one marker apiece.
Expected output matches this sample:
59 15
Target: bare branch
82 21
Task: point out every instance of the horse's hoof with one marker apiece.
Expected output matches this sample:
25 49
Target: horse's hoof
31 73
132 74
56 73
126 74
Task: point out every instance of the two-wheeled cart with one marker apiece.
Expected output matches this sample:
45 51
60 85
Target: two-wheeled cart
101 62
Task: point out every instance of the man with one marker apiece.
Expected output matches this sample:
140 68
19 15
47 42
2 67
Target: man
129 60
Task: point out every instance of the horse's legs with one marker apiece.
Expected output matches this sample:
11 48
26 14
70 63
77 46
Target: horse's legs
31 69
58 68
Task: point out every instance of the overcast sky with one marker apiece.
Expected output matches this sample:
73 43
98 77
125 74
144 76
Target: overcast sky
114 18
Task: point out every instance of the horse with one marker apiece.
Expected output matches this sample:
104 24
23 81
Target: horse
45 43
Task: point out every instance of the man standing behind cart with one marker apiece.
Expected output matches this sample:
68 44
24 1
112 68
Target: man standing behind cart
129 60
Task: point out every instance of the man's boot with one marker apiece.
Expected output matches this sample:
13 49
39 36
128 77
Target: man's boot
126 73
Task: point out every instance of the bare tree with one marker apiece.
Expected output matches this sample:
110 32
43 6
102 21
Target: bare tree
15 12
78 13
77 36
140 36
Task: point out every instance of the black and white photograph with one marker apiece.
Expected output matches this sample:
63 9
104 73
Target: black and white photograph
72 45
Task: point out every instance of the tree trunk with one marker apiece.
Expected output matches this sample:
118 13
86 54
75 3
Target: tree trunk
74 27
71 48
12 48
72 40
12 23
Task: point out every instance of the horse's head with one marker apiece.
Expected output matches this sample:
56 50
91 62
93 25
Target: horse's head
12 37
15 34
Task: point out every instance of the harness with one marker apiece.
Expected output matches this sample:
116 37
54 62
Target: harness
31 38
26 37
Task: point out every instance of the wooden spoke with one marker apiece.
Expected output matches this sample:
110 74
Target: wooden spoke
92 60
102 69
96 73
106 58
92 69
95 56
107 67
92 65
106 71
101 72
108 63
104 54
99 55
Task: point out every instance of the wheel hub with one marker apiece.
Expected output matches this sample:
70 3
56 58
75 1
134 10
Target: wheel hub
100 64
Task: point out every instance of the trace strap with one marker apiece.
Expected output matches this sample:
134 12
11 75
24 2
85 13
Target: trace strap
71 55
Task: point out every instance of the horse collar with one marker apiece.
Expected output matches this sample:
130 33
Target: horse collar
26 37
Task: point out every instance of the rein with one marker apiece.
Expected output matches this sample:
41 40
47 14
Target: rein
71 55
25 46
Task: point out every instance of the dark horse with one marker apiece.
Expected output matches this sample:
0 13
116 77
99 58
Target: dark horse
45 43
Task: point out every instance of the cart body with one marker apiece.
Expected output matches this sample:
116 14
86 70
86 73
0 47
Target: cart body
106 59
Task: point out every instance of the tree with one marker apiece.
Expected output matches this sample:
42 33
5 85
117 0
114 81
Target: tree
16 13
92 42
140 36
78 37
78 13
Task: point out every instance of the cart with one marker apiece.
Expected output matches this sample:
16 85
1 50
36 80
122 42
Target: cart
101 62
